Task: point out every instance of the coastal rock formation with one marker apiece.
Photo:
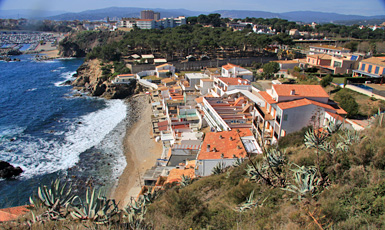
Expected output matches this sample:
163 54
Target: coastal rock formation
89 78
8 171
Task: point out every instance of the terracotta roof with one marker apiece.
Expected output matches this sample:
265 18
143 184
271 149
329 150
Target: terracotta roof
304 102
125 75
167 80
300 90
234 81
175 175
206 79
267 97
337 117
8 214
375 60
229 66
228 144
159 66
199 100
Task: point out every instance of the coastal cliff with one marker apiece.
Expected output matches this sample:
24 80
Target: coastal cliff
90 79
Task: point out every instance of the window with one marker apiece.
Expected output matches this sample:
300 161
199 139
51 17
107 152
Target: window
369 68
383 71
377 70
337 64
363 67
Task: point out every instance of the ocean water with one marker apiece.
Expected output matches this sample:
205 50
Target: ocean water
50 133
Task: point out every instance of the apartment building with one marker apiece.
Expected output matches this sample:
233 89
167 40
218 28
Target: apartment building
289 108
373 67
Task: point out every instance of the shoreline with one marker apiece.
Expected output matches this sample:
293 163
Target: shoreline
140 151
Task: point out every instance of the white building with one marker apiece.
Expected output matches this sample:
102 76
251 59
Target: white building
224 84
165 70
289 108
234 71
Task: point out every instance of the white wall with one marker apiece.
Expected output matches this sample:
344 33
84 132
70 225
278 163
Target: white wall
205 167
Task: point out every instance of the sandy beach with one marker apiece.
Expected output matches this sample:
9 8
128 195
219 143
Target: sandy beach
141 151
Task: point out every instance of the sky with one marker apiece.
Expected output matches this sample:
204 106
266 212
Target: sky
358 7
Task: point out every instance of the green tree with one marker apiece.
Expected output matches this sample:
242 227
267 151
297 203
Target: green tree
347 102
270 68
326 80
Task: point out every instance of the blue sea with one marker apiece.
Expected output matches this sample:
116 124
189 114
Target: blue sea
50 133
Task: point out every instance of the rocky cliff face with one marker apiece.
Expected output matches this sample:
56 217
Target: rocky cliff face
89 79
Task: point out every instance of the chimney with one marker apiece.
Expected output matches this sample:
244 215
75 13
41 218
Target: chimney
231 138
214 149
292 92
208 148
239 147
220 137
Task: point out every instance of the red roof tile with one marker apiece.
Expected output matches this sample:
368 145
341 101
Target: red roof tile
228 144
300 90
229 66
8 214
234 81
304 102
267 97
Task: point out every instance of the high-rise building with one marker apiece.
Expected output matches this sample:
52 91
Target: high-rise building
147 14
156 16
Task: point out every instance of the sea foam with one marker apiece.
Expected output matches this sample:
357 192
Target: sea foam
67 76
38 156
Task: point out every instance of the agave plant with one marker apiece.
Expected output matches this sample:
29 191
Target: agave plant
134 212
238 162
55 197
348 139
275 157
253 173
333 127
95 207
219 168
305 179
315 138
249 203
186 180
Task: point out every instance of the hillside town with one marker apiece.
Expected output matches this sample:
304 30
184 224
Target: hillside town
219 104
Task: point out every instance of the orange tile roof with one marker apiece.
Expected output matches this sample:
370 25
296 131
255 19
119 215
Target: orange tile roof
206 79
8 214
167 80
229 66
337 117
267 97
234 81
125 75
304 102
199 100
300 90
159 66
175 175
228 144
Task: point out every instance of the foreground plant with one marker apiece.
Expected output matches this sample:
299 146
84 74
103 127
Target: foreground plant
95 207
304 179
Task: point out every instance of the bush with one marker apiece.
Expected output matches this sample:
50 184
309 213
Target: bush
326 80
347 102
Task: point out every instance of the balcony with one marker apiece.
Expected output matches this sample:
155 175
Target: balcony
263 112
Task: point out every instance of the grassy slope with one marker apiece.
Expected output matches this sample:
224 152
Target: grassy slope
354 199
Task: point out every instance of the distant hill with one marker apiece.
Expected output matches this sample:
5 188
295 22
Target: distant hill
246 13
298 16
30 14
120 12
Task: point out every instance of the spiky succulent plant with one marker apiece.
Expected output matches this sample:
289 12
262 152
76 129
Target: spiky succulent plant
94 207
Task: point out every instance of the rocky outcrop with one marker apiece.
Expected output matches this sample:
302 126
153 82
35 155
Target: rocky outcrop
89 78
8 171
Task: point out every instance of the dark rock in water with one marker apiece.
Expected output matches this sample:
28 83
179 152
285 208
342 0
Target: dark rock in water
68 82
7 171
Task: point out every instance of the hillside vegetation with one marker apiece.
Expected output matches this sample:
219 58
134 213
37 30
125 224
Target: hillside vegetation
335 179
